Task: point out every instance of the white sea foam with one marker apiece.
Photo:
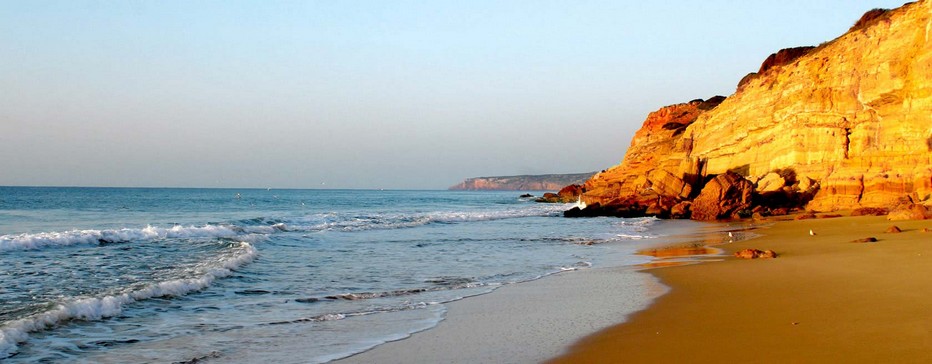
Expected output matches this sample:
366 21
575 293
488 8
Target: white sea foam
577 266
330 317
580 203
148 233
633 237
96 308
401 220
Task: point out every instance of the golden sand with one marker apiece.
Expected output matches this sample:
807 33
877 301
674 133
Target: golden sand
824 299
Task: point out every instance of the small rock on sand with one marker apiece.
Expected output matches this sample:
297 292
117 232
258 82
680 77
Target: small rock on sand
869 211
865 240
894 229
805 216
755 253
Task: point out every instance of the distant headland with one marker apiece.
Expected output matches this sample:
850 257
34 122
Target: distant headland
542 182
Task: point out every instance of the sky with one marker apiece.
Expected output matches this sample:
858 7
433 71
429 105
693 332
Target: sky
364 94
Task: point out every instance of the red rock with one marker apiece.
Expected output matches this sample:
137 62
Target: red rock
829 216
805 216
894 229
570 193
869 211
755 254
549 197
567 194
850 117
908 211
746 79
654 209
868 18
783 57
724 195
779 211
680 210
647 170
772 182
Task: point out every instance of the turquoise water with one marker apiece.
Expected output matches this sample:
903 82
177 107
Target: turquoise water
117 275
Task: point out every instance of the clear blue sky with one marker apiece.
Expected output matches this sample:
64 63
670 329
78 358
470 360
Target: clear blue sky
363 94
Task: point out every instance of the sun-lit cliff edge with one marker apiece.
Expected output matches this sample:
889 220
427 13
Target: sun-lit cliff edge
844 125
543 182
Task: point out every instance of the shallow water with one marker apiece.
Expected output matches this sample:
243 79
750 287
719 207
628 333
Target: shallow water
156 275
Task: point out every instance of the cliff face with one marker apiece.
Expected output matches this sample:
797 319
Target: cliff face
654 163
546 182
849 121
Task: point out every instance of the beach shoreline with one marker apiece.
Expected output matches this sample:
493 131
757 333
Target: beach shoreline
525 322
534 321
827 297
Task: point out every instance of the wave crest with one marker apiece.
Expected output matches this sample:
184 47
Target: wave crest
96 308
337 222
148 233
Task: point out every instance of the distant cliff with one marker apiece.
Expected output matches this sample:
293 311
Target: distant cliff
543 182
844 125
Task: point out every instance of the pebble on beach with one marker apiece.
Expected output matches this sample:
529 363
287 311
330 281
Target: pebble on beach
755 254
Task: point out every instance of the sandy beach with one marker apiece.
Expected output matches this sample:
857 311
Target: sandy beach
524 323
824 299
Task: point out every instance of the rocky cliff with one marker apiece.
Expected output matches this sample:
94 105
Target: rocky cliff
544 182
844 125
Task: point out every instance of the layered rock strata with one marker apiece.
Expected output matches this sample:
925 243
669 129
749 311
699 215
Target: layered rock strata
844 125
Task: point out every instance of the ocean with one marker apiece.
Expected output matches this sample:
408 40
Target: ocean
116 275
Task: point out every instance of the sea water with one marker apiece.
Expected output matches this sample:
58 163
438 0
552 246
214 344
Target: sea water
115 275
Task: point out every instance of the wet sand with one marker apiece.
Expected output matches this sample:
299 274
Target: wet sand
524 323
824 299
532 322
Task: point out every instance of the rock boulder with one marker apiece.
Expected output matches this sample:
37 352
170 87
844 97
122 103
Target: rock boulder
755 254
722 197
771 182
908 211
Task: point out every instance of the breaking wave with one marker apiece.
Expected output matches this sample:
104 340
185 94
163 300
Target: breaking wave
96 308
148 233
339 222
255 229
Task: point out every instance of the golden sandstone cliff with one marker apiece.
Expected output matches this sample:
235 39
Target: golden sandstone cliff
844 125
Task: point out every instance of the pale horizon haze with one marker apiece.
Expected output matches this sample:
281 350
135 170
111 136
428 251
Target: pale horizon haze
363 94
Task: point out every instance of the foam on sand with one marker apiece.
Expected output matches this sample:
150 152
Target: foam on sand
526 322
